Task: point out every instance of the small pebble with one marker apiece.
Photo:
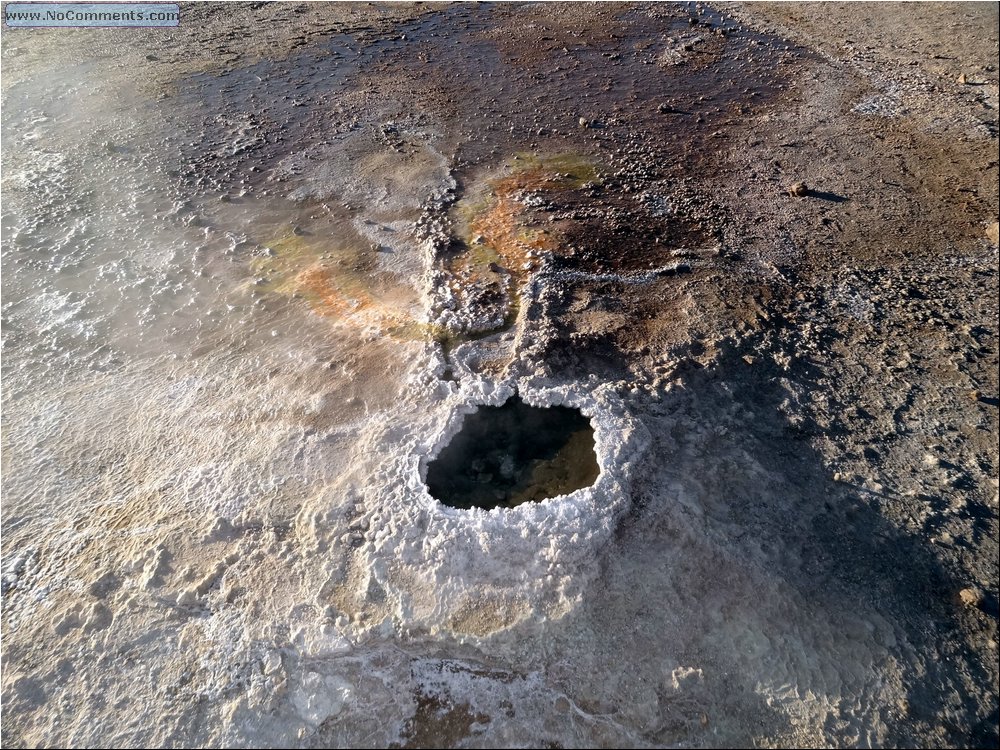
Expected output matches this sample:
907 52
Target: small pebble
971 596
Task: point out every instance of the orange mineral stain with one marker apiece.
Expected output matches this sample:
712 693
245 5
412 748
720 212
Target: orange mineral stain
499 232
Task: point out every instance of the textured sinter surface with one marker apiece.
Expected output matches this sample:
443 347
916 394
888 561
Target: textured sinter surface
260 269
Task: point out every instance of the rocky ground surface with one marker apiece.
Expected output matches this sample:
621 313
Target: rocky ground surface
755 243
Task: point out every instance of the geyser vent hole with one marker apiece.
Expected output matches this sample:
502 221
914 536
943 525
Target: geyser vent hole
507 455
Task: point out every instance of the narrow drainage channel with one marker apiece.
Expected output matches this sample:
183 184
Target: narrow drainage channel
512 454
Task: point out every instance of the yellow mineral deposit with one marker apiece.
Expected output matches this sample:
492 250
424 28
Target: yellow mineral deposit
338 281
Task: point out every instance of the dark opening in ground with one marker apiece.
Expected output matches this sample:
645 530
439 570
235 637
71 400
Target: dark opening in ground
507 455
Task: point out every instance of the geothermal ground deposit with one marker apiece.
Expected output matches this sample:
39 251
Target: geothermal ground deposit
502 375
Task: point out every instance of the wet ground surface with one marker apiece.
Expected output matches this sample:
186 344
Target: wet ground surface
708 71
256 268
630 110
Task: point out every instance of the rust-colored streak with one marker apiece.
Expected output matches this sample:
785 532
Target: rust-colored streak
500 225
321 289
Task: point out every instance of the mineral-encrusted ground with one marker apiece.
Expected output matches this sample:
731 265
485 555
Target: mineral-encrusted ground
257 268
